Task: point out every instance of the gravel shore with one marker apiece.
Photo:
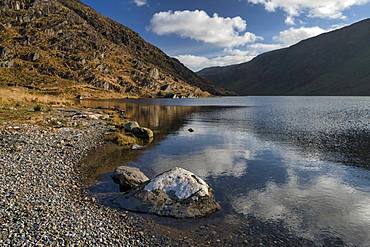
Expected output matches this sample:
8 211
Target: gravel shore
42 201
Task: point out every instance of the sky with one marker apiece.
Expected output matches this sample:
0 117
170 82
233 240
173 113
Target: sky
207 33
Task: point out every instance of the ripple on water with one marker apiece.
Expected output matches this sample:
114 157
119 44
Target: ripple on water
302 161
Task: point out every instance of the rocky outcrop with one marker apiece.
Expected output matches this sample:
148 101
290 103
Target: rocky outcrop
34 56
176 193
128 177
154 73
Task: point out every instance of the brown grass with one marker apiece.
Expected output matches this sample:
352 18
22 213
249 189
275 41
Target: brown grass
14 96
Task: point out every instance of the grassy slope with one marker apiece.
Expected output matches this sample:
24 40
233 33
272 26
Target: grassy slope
331 64
81 49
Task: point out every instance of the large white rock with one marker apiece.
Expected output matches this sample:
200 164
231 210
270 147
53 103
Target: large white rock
181 182
176 193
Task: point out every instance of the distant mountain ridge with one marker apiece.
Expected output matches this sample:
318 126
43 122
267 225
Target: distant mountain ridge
334 63
61 44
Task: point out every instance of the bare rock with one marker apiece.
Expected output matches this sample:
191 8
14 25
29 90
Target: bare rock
176 193
143 133
130 126
3 53
34 56
129 177
166 88
154 73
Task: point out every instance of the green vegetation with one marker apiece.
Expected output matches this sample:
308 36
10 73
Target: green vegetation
37 108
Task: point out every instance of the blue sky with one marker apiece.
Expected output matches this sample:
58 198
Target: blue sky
204 33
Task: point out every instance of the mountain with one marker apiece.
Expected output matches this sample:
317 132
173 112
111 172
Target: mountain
334 63
64 45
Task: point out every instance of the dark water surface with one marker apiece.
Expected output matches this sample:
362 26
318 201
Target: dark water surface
302 161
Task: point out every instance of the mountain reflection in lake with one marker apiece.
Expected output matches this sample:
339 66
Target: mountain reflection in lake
303 161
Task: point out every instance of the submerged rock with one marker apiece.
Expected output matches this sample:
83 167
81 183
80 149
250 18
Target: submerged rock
130 126
129 177
176 193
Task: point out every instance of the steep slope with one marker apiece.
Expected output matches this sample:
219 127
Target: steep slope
59 45
335 63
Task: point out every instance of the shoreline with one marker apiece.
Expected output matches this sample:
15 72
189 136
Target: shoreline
45 200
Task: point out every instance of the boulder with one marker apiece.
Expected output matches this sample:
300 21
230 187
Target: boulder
154 73
143 133
139 132
128 177
122 114
27 19
130 126
166 88
3 53
170 95
17 6
175 193
7 64
34 56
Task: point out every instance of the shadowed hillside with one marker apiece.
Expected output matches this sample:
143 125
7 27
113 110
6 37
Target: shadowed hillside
335 63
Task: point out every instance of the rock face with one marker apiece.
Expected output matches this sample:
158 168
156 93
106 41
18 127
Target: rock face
176 193
128 177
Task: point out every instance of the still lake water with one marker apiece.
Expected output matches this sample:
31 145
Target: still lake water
303 161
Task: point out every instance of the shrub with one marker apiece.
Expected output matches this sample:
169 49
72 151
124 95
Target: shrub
37 108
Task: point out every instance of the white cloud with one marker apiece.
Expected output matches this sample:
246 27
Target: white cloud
294 35
140 3
284 39
263 47
198 25
329 9
329 201
228 57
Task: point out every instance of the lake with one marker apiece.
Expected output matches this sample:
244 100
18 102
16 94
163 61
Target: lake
303 162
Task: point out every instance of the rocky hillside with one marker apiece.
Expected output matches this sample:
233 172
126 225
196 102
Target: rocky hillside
335 63
65 46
